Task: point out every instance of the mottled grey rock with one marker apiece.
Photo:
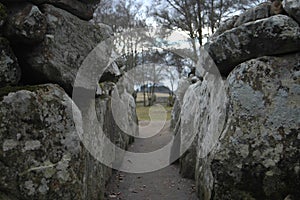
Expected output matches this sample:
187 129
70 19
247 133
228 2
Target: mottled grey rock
275 35
292 7
106 28
182 87
5 197
256 155
67 43
117 113
187 162
225 25
82 9
3 14
258 12
10 71
41 154
202 117
26 24
123 102
175 114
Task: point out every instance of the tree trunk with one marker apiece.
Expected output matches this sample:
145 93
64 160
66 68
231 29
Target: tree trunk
200 22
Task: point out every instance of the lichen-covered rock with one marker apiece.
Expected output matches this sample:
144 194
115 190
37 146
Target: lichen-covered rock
261 11
3 14
258 12
26 24
257 155
67 43
203 117
292 7
275 35
10 71
41 153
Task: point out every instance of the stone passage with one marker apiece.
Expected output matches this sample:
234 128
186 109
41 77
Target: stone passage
164 184
246 120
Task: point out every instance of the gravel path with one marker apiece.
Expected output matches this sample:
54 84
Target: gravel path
164 184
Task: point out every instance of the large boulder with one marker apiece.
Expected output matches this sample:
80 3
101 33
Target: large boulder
256 155
292 7
258 12
10 72
67 43
3 15
41 154
80 8
26 24
225 25
123 102
115 111
275 35
202 117
183 85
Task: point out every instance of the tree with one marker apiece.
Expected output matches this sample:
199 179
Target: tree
119 15
199 18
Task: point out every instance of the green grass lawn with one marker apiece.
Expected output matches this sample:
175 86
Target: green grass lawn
143 112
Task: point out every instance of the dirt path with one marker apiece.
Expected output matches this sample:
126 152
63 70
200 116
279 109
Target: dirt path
164 184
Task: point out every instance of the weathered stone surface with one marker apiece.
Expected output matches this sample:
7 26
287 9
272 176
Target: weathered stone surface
203 117
123 102
41 153
225 25
187 162
257 155
68 41
106 28
258 12
3 14
26 24
292 7
275 35
116 111
10 71
81 9
183 85
5 197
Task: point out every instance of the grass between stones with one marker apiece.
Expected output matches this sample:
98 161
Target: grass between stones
143 113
